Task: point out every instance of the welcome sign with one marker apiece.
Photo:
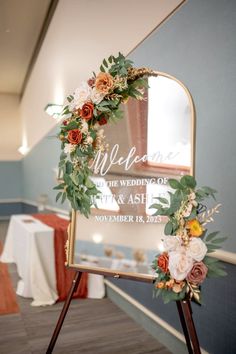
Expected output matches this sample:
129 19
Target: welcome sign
153 142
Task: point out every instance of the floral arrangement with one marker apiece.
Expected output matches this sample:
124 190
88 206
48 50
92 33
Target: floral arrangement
94 104
184 264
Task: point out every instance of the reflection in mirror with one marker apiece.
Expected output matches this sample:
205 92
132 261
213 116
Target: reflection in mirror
153 141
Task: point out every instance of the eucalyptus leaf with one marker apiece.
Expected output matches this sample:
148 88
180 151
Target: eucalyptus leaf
168 228
63 197
219 240
188 181
212 235
175 184
58 196
163 200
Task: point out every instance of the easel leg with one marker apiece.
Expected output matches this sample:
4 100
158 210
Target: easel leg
65 308
184 326
185 314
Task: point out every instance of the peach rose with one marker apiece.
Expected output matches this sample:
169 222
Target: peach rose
178 286
104 82
74 136
198 273
180 264
160 285
163 261
86 111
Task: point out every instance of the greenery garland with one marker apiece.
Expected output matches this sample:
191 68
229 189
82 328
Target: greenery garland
95 103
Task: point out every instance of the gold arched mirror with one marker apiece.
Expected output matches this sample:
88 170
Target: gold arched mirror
154 141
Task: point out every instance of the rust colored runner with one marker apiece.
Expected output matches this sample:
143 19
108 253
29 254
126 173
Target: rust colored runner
64 276
8 301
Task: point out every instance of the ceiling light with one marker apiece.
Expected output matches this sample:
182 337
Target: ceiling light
54 110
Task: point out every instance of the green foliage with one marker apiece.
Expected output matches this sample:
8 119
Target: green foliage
74 171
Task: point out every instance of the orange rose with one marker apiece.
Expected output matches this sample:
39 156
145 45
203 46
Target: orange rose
163 262
74 136
86 111
104 82
195 228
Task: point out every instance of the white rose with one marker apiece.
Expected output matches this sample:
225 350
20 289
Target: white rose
69 148
197 249
180 265
96 96
171 243
84 126
81 95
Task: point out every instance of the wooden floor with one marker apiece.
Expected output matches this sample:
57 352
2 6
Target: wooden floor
91 327
8 302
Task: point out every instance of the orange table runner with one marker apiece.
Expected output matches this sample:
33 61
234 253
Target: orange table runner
64 276
8 301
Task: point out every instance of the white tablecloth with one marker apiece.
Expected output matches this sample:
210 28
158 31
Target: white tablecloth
31 246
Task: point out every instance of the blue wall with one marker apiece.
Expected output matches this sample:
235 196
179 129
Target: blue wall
10 180
38 170
197 45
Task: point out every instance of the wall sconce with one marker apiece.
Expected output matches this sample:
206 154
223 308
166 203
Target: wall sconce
54 110
23 149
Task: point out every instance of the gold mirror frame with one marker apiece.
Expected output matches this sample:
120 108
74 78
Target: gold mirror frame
70 246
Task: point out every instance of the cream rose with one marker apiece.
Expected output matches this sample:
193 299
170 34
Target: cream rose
180 265
197 249
81 96
96 96
171 243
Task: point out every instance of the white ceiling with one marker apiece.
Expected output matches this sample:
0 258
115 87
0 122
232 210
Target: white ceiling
81 34
20 25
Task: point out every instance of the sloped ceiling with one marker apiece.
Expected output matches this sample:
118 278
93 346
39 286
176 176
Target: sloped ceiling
20 25
81 34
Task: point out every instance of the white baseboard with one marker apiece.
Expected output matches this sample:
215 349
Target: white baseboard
10 200
48 207
33 203
149 313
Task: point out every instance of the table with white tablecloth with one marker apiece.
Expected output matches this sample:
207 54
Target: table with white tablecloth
30 244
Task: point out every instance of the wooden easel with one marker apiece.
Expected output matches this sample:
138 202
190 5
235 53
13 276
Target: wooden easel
184 310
